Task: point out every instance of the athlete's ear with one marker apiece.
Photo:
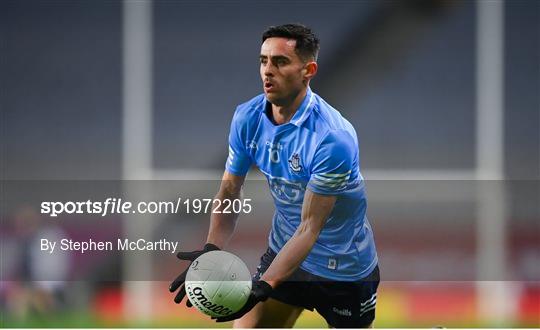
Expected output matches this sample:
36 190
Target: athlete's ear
310 69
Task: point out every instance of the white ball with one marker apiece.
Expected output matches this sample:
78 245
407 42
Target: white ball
218 283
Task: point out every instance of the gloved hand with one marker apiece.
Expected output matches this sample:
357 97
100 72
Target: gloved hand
260 291
179 281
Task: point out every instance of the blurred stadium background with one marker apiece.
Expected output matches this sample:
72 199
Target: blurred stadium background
444 96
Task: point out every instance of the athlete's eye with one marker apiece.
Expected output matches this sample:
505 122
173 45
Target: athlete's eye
281 61
263 60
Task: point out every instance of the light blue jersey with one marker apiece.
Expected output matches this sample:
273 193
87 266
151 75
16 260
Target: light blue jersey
317 150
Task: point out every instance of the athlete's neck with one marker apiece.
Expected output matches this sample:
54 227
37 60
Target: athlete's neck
283 113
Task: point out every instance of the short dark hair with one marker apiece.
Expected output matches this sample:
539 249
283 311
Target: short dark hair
307 44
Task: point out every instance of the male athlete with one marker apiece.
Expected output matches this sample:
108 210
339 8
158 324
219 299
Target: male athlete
321 253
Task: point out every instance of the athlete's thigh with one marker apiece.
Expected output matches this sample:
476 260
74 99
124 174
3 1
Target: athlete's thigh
348 304
270 314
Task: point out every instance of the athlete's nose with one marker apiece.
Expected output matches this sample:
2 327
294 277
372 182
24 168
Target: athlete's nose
267 70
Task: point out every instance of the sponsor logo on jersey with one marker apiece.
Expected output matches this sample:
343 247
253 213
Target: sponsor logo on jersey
252 144
286 191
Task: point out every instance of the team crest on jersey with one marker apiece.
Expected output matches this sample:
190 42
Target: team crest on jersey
294 163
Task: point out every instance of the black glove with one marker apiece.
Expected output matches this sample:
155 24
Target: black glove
260 291
179 281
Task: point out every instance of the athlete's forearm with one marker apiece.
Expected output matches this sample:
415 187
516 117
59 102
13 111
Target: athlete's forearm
292 254
222 224
315 211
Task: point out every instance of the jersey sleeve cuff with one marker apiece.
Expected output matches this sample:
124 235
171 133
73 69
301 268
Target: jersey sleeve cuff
236 172
321 191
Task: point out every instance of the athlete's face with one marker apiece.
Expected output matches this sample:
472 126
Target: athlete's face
283 72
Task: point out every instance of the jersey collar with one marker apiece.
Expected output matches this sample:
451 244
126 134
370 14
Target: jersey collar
303 111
